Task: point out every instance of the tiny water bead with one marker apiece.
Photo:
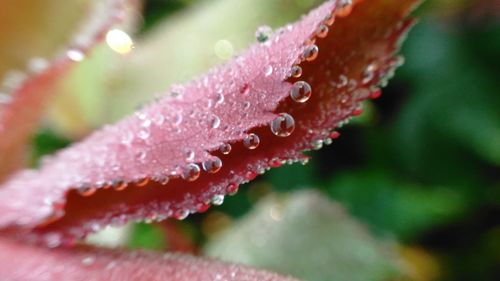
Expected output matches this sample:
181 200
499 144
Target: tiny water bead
311 52
245 90
232 188
283 125
225 148
301 91
191 172
263 33
86 190
217 200
189 154
368 74
330 19
119 185
268 70
296 71
251 141
375 94
322 31
212 165
141 182
215 122
181 214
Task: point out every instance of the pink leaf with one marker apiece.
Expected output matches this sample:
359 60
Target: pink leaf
30 89
31 263
148 165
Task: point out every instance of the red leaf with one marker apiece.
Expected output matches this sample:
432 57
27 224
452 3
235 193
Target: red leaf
30 91
119 172
31 263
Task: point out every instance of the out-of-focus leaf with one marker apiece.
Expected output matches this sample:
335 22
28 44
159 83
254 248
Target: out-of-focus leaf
305 235
20 261
391 206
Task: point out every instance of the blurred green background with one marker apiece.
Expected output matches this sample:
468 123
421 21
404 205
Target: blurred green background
419 170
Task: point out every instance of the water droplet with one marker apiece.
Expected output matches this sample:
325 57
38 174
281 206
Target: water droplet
75 55
86 190
232 188
334 135
245 90
144 133
218 200
345 8
322 31
212 165
189 155
159 119
215 122
343 80
141 182
87 261
301 91
202 207
268 71
329 20
317 144
251 141
177 119
368 73
376 94
275 163
283 125
250 175
220 98
181 214
328 141
146 123
191 172
246 105
296 71
119 185
311 52
263 33
140 155
358 111
225 148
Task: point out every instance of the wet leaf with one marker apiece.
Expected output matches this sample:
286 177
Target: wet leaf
121 172
32 65
30 263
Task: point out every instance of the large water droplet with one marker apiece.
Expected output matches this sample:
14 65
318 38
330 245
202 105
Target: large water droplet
251 141
212 165
225 148
311 52
191 172
301 91
283 125
263 33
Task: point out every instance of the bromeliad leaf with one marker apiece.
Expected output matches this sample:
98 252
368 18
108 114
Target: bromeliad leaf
178 155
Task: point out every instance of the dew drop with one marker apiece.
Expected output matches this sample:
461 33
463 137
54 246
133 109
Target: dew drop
141 182
75 55
329 20
246 105
275 163
215 122
301 91
144 133
119 185
191 172
140 155
283 125
296 71
268 71
250 175
251 141
181 214
218 200
189 155
86 190
225 148
232 188
87 261
322 31
220 98
334 135
263 33
212 165
376 94
311 52
317 144
202 207
368 73
245 90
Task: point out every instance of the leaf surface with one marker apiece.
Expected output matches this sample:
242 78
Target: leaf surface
120 172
